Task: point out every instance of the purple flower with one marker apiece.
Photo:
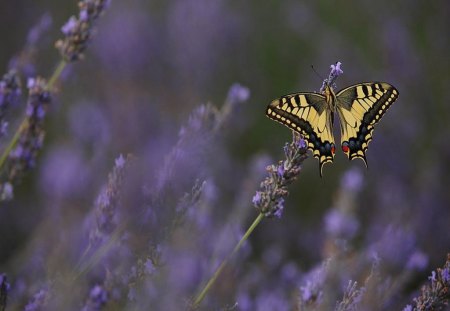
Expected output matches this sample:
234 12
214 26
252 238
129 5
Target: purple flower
149 266
98 297
335 72
336 69
280 170
78 32
352 297
340 224
31 133
445 274
352 180
107 203
278 208
64 172
432 277
238 93
39 301
84 15
435 294
35 33
70 26
417 261
270 201
257 198
311 293
6 191
120 162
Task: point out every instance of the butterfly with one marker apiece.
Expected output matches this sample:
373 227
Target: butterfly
359 108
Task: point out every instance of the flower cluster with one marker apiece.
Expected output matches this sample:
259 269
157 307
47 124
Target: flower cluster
335 72
38 301
107 201
270 201
436 295
98 297
352 295
78 31
23 156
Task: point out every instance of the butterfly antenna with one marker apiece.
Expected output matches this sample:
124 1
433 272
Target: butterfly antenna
315 71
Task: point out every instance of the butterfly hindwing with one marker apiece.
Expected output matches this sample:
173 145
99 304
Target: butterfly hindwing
360 107
308 114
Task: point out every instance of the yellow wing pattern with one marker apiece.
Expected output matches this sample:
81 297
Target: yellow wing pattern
360 107
308 114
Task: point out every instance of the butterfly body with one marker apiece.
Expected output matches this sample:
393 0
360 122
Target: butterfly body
359 108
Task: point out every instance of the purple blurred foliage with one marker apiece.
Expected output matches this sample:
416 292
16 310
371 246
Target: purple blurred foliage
4 288
25 61
81 233
63 173
38 302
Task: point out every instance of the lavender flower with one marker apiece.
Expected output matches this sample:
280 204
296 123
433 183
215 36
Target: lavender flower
107 203
39 301
203 124
237 94
417 261
98 297
31 135
352 296
25 60
340 225
335 72
270 201
436 294
9 96
311 293
78 31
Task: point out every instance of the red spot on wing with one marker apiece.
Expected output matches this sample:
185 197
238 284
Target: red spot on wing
333 149
345 147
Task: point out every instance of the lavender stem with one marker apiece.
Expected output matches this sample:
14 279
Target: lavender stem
198 299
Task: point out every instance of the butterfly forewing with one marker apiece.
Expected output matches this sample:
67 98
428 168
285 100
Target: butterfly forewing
360 107
308 114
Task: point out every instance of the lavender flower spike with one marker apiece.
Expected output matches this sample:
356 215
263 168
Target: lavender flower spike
436 295
39 301
31 134
107 203
270 200
335 72
78 31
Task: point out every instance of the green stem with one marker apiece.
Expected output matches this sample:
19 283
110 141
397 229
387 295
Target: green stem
198 299
56 74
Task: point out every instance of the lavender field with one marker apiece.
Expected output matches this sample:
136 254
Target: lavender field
139 171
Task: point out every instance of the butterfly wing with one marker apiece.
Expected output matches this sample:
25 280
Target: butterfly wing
360 107
308 114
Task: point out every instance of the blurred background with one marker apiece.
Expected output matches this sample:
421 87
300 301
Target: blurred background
152 63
